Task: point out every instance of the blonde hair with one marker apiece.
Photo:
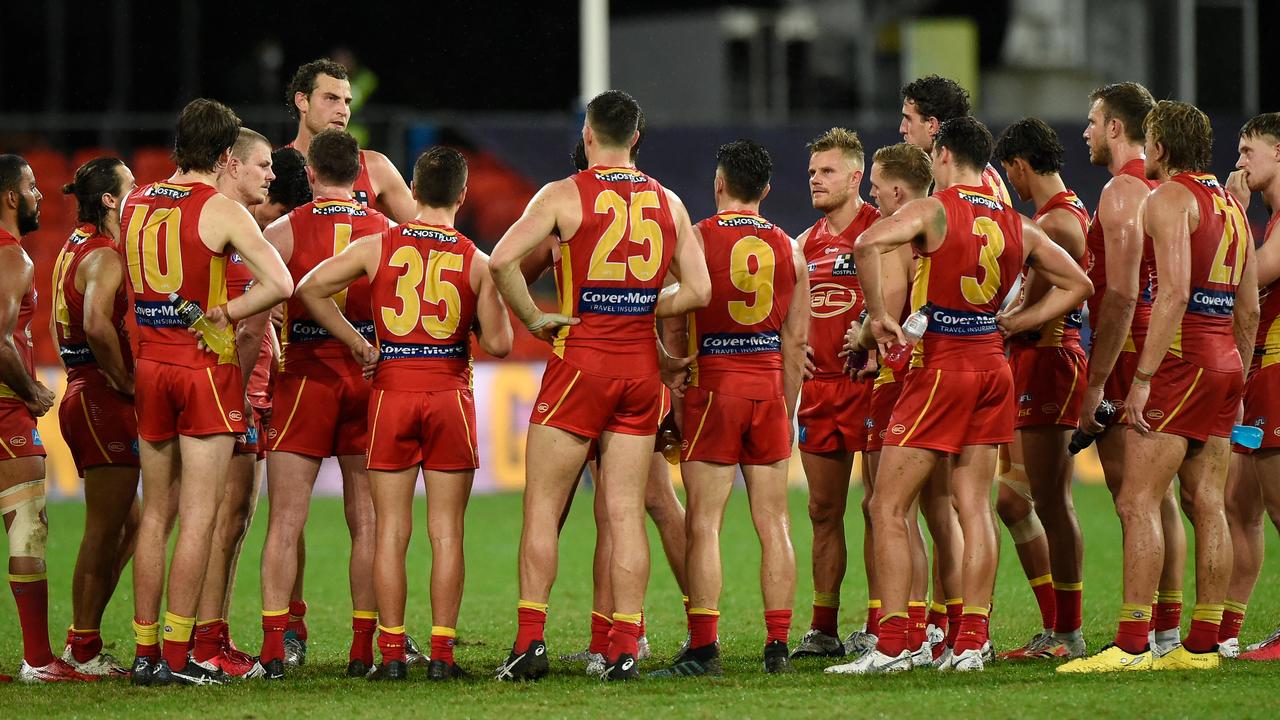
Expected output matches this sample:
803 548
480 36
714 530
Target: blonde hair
838 138
907 163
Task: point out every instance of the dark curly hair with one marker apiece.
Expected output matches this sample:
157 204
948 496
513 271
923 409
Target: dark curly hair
1034 141
304 80
967 139
1264 124
614 116
1128 102
206 130
1184 132
746 168
938 97
291 187
335 156
92 179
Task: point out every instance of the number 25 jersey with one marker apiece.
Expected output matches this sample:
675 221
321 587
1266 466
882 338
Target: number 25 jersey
610 272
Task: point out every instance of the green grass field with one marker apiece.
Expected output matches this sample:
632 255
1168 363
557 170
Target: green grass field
487 627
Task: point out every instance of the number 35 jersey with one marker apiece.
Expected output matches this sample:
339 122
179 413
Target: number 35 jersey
961 284
423 309
610 272
736 339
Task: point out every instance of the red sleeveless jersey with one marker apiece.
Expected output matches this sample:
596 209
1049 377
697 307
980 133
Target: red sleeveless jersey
258 387
737 338
835 295
1218 254
164 254
962 283
991 178
611 270
1097 265
68 307
21 329
1266 350
423 309
362 190
322 229
1064 331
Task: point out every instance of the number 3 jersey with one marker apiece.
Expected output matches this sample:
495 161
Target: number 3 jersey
961 284
736 339
164 254
322 229
610 272
423 309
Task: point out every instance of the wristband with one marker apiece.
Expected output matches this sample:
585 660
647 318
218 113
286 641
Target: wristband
226 312
538 324
1142 375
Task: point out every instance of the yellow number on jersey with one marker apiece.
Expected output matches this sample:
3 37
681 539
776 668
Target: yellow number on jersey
1233 233
646 231
758 282
142 250
341 239
412 293
61 314
981 293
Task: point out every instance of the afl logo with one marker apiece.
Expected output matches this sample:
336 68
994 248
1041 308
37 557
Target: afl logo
1155 414
115 447
236 415
17 441
829 299
898 429
1049 408
543 407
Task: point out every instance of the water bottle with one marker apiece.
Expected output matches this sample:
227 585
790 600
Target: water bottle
914 327
1248 436
220 340
1081 439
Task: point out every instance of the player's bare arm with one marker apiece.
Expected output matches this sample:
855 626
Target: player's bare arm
795 332
894 281
495 334
688 264
538 221
16 275
389 185
1052 264
1119 211
1244 316
809 367
1169 216
330 277
226 222
925 219
536 264
101 273
1065 232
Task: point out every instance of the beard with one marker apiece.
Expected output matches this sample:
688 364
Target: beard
28 217
830 201
1100 156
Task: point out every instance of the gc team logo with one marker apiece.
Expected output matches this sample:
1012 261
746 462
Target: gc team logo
271 433
18 441
235 415
829 299
1049 408
1155 414
898 429
115 446
543 407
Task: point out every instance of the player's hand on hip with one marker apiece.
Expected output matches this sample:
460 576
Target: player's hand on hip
806 373
42 402
1012 322
547 325
366 355
675 372
870 369
1238 186
1088 421
217 315
124 388
1135 406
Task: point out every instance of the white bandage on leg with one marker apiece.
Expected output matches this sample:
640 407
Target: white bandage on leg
1026 529
1016 480
28 531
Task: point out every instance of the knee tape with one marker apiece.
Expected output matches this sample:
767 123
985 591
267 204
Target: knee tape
1026 529
28 531
1016 480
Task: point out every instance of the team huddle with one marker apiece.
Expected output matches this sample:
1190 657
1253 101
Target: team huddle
263 309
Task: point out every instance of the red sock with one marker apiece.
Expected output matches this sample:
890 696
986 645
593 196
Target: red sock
937 617
85 644
1203 636
273 627
973 632
703 627
1068 597
1166 616
893 634
1131 632
824 620
873 617
1232 621
32 597
442 644
777 625
532 623
1043 589
297 619
954 612
362 629
916 613
599 633
391 644
624 636
642 632
688 621
176 652
207 640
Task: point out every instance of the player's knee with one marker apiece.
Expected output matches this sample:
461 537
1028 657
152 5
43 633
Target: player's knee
822 513
29 529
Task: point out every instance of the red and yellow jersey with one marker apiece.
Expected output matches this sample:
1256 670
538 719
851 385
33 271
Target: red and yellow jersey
22 328
362 190
1063 331
1266 350
737 339
962 283
423 309
322 229
258 388
1219 248
164 254
835 295
993 182
1096 268
68 307
611 270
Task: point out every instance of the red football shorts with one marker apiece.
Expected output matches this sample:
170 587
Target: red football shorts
729 430
1262 407
833 414
99 425
174 400
18 434
1049 383
946 410
434 429
1193 402
584 404
883 400
250 441
319 415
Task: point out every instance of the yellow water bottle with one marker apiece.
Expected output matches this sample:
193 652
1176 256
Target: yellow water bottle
219 340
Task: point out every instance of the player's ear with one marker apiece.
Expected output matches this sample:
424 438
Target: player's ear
765 192
311 175
301 102
413 189
933 124
462 197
